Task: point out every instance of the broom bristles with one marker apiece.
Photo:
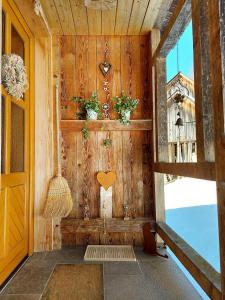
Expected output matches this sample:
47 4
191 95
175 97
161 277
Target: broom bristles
59 201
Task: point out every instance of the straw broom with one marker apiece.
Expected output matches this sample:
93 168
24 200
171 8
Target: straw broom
59 202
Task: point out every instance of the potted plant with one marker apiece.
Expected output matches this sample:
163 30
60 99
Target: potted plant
124 106
89 108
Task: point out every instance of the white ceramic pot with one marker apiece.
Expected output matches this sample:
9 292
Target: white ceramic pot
126 114
91 114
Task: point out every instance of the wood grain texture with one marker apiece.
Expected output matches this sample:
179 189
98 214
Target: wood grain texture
127 17
123 16
151 15
80 74
35 23
66 19
106 125
216 20
128 157
76 232
44 149
199 268
52 16
137 15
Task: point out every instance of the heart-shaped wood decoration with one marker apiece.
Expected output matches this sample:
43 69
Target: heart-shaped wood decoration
106 179
105 68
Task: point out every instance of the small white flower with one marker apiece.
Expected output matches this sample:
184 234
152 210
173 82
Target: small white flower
14 76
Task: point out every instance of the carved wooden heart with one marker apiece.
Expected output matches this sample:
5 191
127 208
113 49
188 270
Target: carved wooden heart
106 179
105 68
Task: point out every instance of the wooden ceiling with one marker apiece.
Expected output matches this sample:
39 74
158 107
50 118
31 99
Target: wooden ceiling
129 17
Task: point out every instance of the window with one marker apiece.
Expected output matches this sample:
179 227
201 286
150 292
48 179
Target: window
181 125
17 44
17 139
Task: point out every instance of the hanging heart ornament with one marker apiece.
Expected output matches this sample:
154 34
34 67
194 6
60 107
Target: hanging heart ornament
105 68
106 179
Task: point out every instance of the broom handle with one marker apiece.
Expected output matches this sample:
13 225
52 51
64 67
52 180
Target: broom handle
58 148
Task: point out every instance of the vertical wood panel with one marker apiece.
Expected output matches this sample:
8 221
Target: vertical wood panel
137 15
126 65
144 77
123 16
92 64
69 158
127 167
81 69
64 11
129 155
79 16
136 173
67 76
117 150
217 57
80 74
94 21
108 21
101 44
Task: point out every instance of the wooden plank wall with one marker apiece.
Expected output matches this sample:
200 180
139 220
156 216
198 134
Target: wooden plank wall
130 155
44 148
80 74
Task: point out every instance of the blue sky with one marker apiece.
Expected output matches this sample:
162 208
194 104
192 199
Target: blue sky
185 51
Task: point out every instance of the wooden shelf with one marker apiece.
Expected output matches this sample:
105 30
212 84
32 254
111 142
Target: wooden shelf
69 225
106 125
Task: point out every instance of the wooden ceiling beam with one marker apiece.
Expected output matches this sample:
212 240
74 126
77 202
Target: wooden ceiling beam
129 17
137 15
64 11
94 22
151 15
108 21
123 16
35 23
52 16
79 12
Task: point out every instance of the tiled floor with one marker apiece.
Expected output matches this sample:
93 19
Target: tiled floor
152 278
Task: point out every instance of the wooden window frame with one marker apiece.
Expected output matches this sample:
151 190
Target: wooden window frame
208 44
204 168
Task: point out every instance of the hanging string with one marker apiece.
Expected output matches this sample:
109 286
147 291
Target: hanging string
178 67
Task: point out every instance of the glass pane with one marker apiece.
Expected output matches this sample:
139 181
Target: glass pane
17 139
17 44
2 134
191 211
181 100
3 32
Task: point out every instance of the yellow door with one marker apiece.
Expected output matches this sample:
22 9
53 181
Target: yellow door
15 169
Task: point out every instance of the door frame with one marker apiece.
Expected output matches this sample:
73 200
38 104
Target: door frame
17 17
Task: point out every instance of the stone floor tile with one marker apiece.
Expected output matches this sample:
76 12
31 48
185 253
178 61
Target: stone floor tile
29 280
37 259
125 287
166 281
141 256
122 268
65 255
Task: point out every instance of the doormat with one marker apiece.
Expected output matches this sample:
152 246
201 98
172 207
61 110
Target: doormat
109 253
76 282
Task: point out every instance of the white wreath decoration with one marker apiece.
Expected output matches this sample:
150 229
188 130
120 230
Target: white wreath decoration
14 75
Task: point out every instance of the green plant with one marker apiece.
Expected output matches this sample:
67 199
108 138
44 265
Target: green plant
123 105
107 142
85 132
91 103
